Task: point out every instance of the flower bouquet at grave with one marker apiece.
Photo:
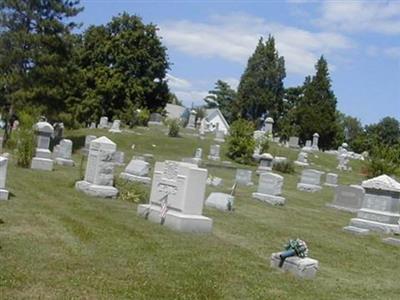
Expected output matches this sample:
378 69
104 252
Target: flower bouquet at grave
295 247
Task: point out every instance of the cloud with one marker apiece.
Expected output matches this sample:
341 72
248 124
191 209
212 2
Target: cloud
233 82
234 37
193 96
358 16
178 83
393 52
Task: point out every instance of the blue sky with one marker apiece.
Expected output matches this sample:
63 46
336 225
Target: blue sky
211 40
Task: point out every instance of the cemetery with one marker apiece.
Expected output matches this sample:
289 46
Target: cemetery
199 150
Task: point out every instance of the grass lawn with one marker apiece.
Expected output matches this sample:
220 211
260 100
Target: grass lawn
59 243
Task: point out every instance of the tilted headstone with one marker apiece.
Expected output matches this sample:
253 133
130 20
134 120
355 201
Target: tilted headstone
64 153
302 159
177 197
310 180
348 198
88 140
220 201
214 152
138 171
103 123
270 189
266 161
380 208
99 174
42 159
3 177
243 177
294 142
331 179
315 142
115 127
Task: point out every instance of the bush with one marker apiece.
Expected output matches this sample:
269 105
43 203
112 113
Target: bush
284 167
143 117
133 192
383 160
241 144
262 143
173 128
25 140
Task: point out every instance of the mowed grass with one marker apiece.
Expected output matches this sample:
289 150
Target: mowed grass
57 243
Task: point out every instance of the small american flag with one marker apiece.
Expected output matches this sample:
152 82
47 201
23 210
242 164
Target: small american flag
164 208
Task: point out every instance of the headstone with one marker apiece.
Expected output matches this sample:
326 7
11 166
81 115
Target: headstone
270 189
88 140
198 155
331 179
202 129
138 171
343 161
58 132
294 142
268 125
115 127
266 161
99 174
391 241
380 208
177 197
42 159
315 142
214 152
214 181
93 125
302 159
279 159
192 120
310 181
119 158
348 198
243 177
307 147
155 119
300 267
219 136
103 123
64 153
3 177
220 201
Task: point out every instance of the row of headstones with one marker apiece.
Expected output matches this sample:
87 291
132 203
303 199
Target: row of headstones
104 124
302 160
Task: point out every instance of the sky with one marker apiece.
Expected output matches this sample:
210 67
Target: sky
211 40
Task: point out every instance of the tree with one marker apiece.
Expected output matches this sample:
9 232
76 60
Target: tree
173 99
316 112
241 143
124 65
35 50
222 97
386 132
261 87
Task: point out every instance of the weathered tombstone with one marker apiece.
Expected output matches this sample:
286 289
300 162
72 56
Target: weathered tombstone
42 159
3 177
192 120
315 142
266 161
214 181
243 177
380 208
115 127
155 119
103 123
219 136
220 201
294 142
302 159
300 267
119 158
270 189
310 181
348 198
138 171
268 125
202 129
214 152
331 179
307 147
177 197
88 140
64 153
99 175
93 125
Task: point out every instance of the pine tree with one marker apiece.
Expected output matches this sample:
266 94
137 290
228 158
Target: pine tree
222 97
317 110
261 87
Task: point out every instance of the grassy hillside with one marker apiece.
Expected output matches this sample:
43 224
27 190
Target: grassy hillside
58 243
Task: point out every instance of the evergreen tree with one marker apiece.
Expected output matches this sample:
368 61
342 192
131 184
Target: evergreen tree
124 65
317 110
222 97
35 49
261 87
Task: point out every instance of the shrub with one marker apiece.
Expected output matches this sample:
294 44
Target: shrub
383 160
133 192
25 137
241 144
173 128
284 167
143 117
262 143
